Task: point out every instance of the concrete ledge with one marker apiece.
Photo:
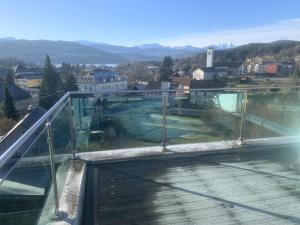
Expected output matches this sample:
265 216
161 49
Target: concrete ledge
71 197
200 148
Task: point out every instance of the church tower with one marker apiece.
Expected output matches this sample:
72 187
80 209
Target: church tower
210 57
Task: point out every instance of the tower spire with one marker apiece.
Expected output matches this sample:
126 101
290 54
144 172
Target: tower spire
210 57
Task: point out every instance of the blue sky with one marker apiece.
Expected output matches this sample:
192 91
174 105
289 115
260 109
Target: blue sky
168 22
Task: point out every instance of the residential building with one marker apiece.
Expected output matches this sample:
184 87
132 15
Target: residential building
259 68
206 73
182 83
155 88
285 69
271 68
21 69
102 80
28 80
221 70
242 70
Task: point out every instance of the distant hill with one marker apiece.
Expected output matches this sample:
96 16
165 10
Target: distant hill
149 51
278 49
60 51
87 52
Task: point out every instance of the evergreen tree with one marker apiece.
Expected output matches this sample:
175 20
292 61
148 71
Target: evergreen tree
166 69
9 79
297 72
9 108
66 70
70 83
51 88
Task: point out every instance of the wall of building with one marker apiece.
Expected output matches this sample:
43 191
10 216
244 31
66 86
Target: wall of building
209 57
112 86
34 83
198 74
28 83
271 68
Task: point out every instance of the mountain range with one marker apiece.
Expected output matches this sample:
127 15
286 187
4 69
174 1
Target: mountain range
87 52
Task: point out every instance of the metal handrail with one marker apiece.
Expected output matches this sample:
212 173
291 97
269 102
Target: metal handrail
254 89
13 148
5 157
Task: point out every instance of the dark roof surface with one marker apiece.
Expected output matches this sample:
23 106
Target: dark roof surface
153 85
26 69
185 81
30 75
102 75
16 92
196 84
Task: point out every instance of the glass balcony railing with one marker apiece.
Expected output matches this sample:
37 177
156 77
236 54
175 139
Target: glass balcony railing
135 119
30 168
34 168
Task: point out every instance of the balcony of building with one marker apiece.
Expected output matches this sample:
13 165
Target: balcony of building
215 156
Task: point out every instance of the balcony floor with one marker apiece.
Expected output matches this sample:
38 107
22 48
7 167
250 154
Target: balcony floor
238 188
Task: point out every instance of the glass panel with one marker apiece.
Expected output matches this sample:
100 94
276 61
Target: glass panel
117 121
62 149
203 116
82 114
24 191
275 112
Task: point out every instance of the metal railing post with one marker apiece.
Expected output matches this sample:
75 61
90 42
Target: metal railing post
72 134
52 165
164 122
241 139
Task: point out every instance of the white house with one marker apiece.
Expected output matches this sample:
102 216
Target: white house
102 80
206 73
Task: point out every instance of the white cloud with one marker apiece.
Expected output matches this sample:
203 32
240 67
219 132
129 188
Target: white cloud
286 29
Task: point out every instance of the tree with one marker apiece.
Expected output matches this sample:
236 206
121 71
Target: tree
166 69
9 79
70 83
51 88
66 70
9 108
297 72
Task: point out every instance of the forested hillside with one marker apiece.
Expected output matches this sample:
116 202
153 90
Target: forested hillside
278 50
